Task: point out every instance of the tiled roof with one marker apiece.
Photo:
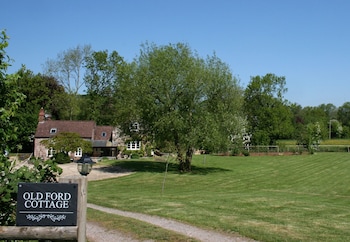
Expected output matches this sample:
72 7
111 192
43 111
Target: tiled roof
103 132
84 128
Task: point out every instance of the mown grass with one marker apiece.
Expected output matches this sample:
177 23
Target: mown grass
267 198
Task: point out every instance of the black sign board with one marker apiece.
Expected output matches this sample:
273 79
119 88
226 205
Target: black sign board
47 204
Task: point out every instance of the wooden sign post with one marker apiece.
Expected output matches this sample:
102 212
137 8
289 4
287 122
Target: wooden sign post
55 211
82 203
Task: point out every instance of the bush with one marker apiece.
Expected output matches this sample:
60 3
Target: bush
61 158
245 153
235 151
10 176
135 156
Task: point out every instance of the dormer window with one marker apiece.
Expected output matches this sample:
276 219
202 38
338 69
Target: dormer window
103 134
53 131
135 127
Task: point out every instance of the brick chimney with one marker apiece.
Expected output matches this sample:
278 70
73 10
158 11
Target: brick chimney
41 115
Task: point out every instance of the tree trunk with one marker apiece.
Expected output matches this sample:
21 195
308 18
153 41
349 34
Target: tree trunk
189 154
185 163
181 160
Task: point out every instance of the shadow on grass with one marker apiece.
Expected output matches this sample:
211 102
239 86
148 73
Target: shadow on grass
112 169
156 167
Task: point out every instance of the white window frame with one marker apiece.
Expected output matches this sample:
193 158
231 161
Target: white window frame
53 131
135 127
79 152
51 152
134 145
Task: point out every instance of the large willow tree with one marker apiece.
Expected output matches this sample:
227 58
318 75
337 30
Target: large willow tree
185 102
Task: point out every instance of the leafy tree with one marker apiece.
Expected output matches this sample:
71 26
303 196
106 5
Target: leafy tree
344 114
314 136
10 100
67 68
335 129
40 91
329 119
68 142
268 115
330 110
344 119
312 115
104 75
298 123
183 101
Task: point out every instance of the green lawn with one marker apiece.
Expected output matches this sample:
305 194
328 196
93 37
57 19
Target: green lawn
267 198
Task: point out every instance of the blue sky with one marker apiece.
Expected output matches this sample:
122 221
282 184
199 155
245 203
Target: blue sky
307 41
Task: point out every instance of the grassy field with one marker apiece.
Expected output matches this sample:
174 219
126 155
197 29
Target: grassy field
267 198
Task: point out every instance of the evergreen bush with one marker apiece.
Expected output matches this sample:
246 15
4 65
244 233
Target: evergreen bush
61 158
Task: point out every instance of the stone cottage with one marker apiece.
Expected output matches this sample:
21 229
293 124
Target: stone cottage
104 139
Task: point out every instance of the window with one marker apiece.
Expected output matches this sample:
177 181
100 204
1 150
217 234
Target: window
104 134
79 152
134 145
50 152
53 131
135 127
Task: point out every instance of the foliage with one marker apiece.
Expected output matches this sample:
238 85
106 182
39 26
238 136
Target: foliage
268 115
135 154
313 115
240 143
10 99
68 142
184 101
329 109
314 137
40 91
10 176
335 129
245 153
344 114
105 73
67 68
61 158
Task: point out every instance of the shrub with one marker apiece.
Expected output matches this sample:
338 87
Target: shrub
135 156
61 158
245 153
235 151
10 176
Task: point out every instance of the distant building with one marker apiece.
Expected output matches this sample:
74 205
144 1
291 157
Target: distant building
104 139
